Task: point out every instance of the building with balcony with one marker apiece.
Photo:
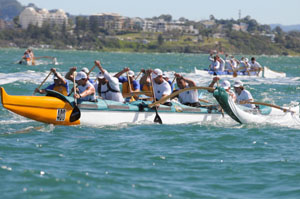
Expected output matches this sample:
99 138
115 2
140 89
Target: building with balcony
109 21
30 16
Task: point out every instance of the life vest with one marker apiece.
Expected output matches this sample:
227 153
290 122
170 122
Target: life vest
125 88
108 89
61 89
147 88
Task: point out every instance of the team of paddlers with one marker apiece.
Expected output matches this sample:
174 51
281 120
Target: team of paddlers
153 85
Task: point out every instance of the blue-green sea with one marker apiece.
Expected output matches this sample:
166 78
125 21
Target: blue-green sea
199 160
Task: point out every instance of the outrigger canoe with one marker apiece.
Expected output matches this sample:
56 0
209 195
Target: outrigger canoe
57 109
38 62
268 114
266 73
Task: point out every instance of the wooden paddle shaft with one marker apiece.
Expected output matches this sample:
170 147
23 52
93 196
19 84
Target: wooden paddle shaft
74 86
91 70
266 104
129 83
162 100
43 81
138 75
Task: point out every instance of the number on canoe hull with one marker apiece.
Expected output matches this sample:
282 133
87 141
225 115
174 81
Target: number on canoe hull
61 115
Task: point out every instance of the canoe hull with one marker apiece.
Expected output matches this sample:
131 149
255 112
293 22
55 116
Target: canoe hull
40 108
57 109
267 73
100 118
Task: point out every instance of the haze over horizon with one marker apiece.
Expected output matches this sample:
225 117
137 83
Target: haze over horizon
265 12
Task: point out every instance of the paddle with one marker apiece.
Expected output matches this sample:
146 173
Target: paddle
235 71
241 68
86 74
157 118
162 100
25 130
48 57
205 101
266 104
91 70
138 75
173 80
202 100
75 115
20 62
74 87
43 82
130 90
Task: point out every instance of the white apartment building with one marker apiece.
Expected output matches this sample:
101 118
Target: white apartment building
30 16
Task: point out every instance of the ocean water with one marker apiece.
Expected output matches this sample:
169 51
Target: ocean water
213 160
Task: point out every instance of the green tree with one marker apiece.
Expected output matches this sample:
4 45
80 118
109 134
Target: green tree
94 27
160 39
167 18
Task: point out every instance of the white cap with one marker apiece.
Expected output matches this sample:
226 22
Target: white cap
80 75
164 75
101 75
85 69
55 77
130 73
238 83
246 59
225 84
157 72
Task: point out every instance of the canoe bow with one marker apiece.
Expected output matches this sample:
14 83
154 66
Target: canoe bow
48 109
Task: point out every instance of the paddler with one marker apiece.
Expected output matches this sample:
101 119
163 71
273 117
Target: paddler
189 98
145 82
85 89
255 66
69 74
107 86
242 95
31 56
60 84
134 84
225 84
161 87
165 76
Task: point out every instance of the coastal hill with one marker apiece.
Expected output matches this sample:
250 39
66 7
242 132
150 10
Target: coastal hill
9 9
242 36
287 28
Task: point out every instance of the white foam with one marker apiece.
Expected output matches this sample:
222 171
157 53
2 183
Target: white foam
25 76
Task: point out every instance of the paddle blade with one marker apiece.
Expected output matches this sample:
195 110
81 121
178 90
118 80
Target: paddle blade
234 74
75 115
157 118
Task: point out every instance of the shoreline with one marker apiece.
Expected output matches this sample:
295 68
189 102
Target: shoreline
147 52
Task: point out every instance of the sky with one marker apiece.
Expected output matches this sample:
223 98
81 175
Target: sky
285 12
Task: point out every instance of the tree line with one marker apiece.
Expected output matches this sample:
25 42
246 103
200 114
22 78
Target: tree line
80 33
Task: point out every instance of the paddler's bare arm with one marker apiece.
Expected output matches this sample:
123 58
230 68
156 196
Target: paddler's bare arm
53 70
215 79
146 78
98 64
126 69
69 74
90 90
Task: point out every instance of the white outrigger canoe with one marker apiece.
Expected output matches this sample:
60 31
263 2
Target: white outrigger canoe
270 114
266 73
57 109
